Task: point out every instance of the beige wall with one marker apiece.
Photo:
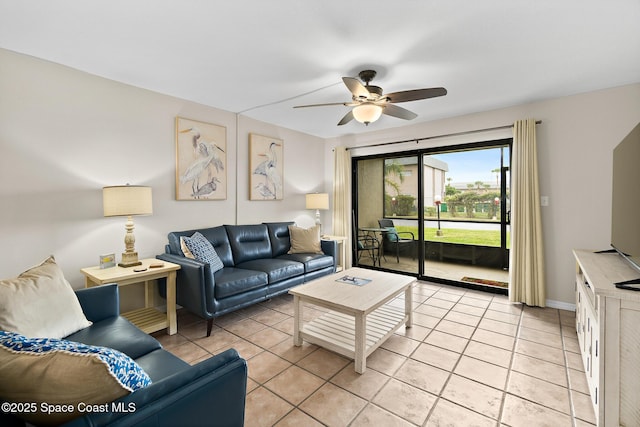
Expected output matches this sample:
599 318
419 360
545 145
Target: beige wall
575 144
65 134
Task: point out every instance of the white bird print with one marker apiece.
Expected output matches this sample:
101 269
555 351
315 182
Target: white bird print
264 191
206 190
195 136
269 169
208 149
206 158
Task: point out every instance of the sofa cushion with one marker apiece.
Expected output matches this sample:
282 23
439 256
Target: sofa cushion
232 281
61 372
311 262
391 234
304 240
201 249
277 269
279 237
117 333
40 303
248 242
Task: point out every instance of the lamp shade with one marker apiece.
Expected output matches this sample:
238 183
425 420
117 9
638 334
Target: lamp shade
367 113
317 201
125 200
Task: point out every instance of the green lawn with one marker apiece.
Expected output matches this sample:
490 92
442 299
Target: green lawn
468 237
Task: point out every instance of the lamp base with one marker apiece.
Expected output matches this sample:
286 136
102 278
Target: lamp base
129 259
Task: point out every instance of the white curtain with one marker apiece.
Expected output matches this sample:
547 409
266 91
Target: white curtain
526 263
341 199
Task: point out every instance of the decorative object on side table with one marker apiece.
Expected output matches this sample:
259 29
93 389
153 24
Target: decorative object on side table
266 164
127 200
107 261
201 160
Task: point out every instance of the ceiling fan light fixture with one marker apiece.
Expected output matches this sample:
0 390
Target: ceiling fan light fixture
367 113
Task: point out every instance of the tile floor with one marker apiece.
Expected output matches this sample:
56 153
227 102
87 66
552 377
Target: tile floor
471 359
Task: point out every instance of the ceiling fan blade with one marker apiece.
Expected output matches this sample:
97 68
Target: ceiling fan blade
346 119
399 112
356 88
346 104
416 94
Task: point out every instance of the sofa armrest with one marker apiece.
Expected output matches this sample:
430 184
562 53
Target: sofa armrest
213 391
194 284
330 247
99 302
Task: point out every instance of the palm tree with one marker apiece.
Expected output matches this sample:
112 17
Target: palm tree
393 167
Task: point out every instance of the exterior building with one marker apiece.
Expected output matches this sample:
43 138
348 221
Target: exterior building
433 173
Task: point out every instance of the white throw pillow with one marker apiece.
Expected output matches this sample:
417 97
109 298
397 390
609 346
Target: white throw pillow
40 303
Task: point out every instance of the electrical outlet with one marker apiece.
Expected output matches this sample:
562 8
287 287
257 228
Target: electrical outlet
544 200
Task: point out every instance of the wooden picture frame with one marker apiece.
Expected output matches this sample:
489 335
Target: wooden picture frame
201 160
266 168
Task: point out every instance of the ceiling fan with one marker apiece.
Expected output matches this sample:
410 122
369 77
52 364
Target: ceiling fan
369 102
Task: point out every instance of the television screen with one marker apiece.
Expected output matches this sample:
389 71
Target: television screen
625 210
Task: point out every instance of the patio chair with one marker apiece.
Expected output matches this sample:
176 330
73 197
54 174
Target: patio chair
369 246
392 236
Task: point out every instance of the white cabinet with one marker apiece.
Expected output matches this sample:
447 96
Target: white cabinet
608 326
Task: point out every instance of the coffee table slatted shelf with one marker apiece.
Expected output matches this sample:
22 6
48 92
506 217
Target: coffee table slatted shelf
336 331
360 317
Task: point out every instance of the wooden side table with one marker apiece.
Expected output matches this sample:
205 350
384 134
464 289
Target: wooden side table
148 319
341 247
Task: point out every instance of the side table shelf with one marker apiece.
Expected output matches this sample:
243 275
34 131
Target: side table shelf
148 319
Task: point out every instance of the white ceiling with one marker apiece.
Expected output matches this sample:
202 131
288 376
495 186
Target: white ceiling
260 58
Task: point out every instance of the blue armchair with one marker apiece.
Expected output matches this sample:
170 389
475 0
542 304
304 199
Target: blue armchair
210 393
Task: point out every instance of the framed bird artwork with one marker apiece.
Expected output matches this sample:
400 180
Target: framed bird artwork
266 167
201 160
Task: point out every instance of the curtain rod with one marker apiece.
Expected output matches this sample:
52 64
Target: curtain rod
417 140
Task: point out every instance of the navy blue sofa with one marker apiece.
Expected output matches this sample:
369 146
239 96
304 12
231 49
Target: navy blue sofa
211 393
257 266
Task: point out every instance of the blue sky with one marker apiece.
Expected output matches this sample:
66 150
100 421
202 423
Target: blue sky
472 166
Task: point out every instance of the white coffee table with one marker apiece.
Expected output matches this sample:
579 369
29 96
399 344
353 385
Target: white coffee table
359 321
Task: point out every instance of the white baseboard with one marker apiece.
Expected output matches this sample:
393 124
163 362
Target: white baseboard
560 305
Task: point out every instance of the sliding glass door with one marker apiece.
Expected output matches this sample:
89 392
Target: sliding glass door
440 214
387 205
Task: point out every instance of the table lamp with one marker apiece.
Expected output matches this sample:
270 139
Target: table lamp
127 200
318 201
